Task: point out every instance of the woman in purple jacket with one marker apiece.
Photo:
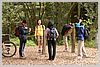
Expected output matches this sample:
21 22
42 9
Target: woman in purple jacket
51 35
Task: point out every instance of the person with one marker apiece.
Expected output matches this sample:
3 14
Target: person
23 31
51 34
39 33
80 38
77 24
66 31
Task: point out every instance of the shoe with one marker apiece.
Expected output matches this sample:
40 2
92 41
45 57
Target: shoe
79 57
65 50
22 57
52 58
39 51
85 56
49 59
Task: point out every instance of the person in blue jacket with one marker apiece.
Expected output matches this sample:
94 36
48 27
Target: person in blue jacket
80 38
23 31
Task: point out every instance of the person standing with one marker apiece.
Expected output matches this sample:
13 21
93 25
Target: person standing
23 31
80 38
51 34
39 33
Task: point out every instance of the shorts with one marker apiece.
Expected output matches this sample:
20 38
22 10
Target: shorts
39 40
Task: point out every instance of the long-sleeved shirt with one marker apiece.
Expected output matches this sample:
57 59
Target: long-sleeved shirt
23 30
80 32
23 33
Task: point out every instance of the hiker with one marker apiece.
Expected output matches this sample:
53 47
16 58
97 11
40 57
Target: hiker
80 38
78 22
39 33
66 31
51 34
23 31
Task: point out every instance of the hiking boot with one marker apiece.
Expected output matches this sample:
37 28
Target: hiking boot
79 57
65 50
39 51
85 56
49 59
22 57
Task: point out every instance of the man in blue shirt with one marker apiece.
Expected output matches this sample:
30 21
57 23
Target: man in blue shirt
23 31
80 38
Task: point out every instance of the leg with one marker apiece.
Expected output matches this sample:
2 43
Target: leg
80 48
21 46
49 49
39 45
65 42
83 49
54 49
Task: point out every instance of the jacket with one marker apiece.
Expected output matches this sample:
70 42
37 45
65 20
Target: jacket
80 33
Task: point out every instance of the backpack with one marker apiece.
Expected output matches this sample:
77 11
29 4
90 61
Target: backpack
17 31
65 28
86 33
52 34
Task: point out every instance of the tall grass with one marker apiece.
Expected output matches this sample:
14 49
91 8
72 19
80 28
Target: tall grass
31 42
87 43
28 43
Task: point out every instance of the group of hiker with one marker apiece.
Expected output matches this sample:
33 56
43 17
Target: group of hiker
51 34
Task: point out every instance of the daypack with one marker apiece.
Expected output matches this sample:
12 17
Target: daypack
65 28
17 31
52 34
86 33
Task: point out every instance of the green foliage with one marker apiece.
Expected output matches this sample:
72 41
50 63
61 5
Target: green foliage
14 12
16 41
90 43
60 12
30 43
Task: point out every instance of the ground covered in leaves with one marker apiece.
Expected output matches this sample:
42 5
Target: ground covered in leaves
33 57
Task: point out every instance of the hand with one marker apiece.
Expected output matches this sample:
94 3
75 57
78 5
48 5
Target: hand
29 29
35 37
57 36
26 27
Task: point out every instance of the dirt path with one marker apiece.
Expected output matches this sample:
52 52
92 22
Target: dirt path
33 57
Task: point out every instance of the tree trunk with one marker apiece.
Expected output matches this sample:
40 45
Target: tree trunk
73 40
79 10
26 12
